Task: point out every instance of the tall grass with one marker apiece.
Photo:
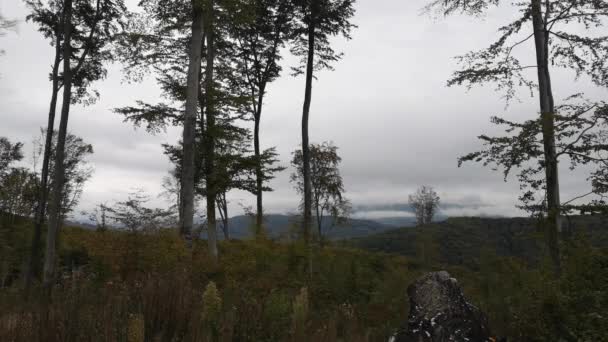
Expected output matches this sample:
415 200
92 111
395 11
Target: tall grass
133 287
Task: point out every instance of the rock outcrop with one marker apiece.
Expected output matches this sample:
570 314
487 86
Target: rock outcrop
439 312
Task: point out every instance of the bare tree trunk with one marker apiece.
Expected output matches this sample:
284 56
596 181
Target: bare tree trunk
55 212
35 266
259 218
547 110
189 133
307 215
210 137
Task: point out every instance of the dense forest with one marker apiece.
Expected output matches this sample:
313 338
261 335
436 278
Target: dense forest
193 270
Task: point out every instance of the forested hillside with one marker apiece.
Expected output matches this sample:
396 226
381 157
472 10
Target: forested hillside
463 241
284 227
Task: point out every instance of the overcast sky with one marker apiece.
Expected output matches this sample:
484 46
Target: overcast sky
386 106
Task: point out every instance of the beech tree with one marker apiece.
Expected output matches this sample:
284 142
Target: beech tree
261 28
84 29
192 100
89 35
554 27
161 39
316 22
425 203
327 185
211 112
155 41
49 18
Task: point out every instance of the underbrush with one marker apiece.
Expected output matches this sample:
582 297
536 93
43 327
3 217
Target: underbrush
118 286
149 287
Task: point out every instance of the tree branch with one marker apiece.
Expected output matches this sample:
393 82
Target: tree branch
89 39
577 198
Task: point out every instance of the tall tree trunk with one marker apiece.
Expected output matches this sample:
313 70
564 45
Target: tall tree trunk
547 110
34 266
307 215
259 217
210 136
55 212
189 133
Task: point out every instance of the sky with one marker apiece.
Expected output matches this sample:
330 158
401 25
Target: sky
386 106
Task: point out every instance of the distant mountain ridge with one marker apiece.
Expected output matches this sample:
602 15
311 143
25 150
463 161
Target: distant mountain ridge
282 226
277 226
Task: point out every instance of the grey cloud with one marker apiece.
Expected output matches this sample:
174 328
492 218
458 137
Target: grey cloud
386 106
